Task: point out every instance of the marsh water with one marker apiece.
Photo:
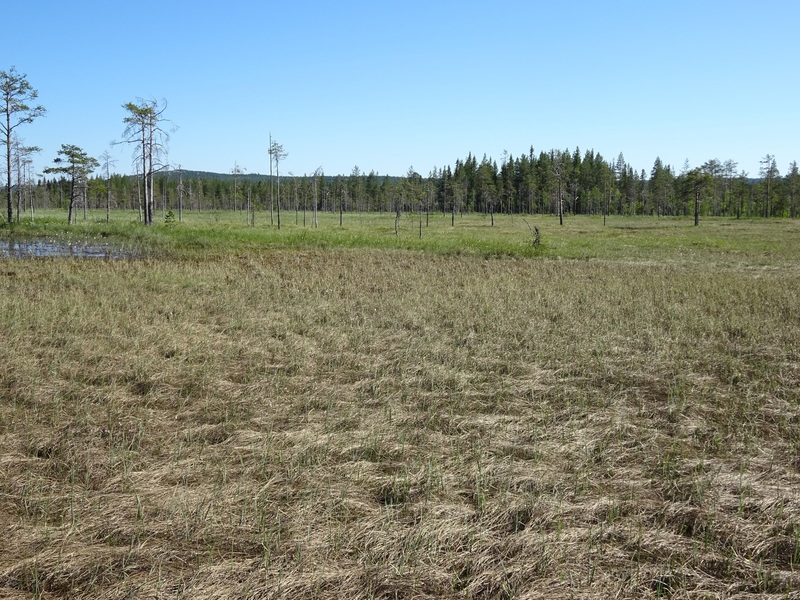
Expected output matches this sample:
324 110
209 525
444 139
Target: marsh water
34 248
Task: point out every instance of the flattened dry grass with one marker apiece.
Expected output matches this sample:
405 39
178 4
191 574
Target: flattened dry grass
392 424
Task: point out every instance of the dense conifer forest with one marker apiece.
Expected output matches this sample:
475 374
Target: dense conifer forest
530 183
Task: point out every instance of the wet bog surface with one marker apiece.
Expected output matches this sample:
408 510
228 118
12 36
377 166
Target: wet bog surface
49 249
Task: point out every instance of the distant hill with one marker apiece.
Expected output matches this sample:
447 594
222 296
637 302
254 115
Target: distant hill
222 176
252 177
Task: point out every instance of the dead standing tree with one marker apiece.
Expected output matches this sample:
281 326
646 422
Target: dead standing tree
558 171
318 175
143 129
181 193
276 154
107 163
22 162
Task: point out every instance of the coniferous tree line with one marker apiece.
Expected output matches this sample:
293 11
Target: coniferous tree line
553 182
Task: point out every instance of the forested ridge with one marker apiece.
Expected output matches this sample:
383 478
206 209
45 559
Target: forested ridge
531 183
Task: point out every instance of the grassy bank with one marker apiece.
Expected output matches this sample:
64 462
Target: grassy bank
725 241
274 420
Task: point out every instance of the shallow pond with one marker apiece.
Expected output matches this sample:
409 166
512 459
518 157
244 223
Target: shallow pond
51 248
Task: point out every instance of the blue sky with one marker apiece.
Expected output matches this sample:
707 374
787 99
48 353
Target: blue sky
389 85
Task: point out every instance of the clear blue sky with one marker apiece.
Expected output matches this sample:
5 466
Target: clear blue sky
388 85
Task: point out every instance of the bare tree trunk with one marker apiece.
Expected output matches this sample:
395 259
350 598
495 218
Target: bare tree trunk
249 208
427 203
453 212
8 165
151 204
271 186
143 188
278 175
71 203
316 201
139 198
697 207
19 187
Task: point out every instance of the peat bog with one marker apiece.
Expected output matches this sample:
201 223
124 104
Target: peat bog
349 414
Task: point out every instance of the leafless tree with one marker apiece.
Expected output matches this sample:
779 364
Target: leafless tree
236 171
558 171
106 162
22 162
317 174
181 193
277 155
143 128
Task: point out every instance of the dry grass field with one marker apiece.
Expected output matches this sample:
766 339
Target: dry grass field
394 423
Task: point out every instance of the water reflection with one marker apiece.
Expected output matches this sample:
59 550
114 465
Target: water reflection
49 248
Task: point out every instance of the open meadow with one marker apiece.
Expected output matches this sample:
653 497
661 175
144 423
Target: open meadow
342 412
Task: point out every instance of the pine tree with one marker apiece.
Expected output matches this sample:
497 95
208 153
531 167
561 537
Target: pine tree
15 95
77 165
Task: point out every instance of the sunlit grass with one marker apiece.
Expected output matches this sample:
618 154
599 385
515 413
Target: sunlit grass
724 241
343 412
